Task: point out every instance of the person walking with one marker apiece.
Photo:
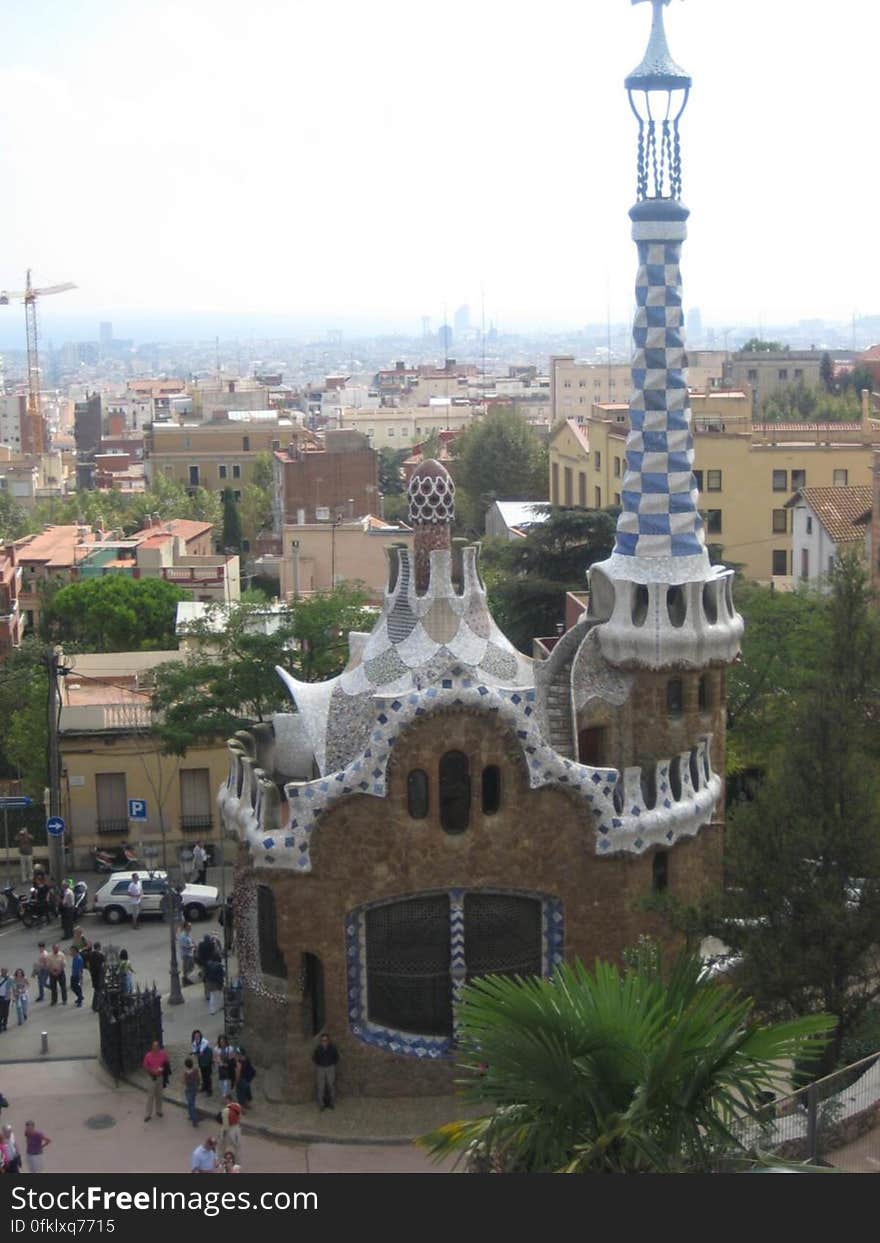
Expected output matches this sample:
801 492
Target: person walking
204 1158
126 974
191 1079
77 967
136 897
214 977
230 1127
25 856
200 864
224 1062
244 1077
68 910
41 969
326 1059
6 988
97 972
58 975
186 951
154 1064
10 1150
22 995
204 1058
36 1144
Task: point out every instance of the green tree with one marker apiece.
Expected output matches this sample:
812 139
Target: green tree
24 730
803 857
230 678
14 520
497 457
826 372
614 1070
390 462
114 613
527 578
809 403
230 540
757 345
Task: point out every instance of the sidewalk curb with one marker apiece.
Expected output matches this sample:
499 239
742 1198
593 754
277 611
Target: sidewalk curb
295 1137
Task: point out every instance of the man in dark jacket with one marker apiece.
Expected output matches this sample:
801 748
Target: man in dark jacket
97 968
325 1057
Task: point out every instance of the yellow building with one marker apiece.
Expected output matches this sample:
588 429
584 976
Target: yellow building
112 767
399 427
218 455
320 553
574 387
746 471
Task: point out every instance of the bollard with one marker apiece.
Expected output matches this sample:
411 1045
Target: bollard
44 1042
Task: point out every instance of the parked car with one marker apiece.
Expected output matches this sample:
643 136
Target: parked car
112 900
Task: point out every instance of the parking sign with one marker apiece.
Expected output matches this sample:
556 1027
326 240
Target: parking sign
137 809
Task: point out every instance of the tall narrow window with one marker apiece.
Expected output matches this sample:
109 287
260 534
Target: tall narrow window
704 693
417 794
455 792
196 801
312 982
491 789
674 697
112 802
271 958
660 871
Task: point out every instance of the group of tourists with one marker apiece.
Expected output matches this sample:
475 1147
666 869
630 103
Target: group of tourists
51 971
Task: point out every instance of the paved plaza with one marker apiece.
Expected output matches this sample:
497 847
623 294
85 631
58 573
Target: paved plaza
98 1126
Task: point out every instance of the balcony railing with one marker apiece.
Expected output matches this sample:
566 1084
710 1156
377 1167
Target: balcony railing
192 824
112 826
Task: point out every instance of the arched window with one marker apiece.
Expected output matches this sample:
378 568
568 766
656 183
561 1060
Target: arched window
674 697
455 792
271 958
408 965
660 871
417 793
491 789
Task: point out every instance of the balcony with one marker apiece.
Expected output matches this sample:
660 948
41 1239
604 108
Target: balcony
197 824
112 826
96 718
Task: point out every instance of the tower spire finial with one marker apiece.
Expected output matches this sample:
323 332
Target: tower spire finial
658 92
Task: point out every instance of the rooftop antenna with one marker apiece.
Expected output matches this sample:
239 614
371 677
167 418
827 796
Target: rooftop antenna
483 338
608 328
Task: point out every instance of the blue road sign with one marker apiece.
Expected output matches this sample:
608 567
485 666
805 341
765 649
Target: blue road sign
55 826
137 809
17 801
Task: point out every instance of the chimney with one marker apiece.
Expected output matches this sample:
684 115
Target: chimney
231 384
866 407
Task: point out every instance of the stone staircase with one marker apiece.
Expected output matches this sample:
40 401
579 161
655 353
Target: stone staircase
558 701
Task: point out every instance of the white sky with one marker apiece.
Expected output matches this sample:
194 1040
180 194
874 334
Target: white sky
331 158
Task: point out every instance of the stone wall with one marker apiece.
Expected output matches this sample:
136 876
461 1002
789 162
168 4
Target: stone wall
366 849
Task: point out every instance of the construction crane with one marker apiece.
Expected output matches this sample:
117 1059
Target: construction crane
33 438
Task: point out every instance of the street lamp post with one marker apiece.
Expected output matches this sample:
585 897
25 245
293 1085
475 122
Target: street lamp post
337 520
172 905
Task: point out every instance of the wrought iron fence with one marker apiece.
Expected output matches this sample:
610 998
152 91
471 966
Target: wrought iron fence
128 1023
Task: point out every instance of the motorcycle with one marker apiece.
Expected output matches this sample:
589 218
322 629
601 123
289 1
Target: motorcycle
124 860
18 906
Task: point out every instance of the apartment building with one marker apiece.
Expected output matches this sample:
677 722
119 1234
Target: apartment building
316 556
30 478
746 471
392 427
339 479
576 387
109 758
767 373
221 453
11 618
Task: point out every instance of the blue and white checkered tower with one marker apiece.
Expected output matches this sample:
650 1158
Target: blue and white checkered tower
663 603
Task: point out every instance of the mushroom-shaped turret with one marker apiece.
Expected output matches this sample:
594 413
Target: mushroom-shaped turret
431 495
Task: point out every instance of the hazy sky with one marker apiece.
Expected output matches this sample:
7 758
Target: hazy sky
336 160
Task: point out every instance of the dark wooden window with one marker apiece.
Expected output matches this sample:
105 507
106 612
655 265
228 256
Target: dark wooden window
271 958
455 792
491 789
417 793
408 963
591 746
660 871
674 697
312 979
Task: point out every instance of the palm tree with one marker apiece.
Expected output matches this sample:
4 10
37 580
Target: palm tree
615 1070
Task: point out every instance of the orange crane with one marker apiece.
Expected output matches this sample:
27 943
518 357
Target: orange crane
33 436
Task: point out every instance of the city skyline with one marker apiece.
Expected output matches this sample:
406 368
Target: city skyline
350 167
